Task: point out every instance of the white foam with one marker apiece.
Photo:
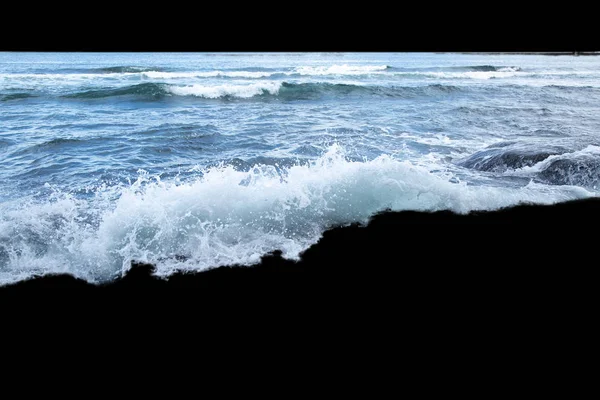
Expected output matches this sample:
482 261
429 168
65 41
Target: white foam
477 74
216 91
508 69
340 70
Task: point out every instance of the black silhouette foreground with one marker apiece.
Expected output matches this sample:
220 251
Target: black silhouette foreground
427 290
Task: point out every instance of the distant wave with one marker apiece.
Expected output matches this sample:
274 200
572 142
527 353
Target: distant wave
468 72
264 89
478 72
474 74
68 76
119 69
487 68
482 68
570 88
82 73
344 69
315 90
124 69
16 96
160 73
208 74
301 71
142 90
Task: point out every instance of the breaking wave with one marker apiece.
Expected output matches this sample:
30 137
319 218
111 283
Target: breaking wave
142 90
228 216
284 90
217 91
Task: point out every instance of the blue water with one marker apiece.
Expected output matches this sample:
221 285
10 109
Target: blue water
191 161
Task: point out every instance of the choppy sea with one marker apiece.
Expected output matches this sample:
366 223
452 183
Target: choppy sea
191 161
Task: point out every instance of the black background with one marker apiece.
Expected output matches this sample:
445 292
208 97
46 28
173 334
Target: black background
415 26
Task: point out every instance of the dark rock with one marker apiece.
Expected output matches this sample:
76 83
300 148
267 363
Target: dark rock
500 159
581 171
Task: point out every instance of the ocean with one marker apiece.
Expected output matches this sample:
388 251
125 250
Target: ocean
191 161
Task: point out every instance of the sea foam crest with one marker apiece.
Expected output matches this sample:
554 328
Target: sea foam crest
216 91
500 73
227 216
340 69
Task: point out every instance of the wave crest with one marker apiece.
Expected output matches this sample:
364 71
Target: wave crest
218 91
16 96
344 69
124 69
264 89
142 89
489 68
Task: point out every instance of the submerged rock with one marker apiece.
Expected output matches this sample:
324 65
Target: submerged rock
583 171
501 159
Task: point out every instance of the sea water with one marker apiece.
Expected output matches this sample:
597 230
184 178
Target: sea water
191 161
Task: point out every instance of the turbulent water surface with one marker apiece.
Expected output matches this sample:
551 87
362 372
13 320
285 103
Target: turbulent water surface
192 161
